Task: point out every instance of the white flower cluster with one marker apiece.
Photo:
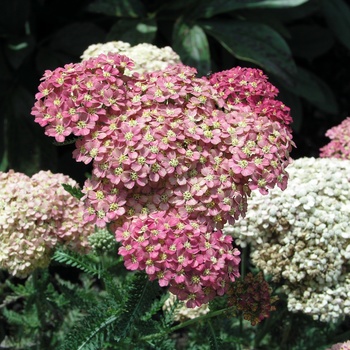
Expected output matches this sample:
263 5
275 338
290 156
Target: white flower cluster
182 312
147 57
301 236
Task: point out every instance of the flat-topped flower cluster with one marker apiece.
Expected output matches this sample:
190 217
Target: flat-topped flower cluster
339 146
36 214
146 57
301 236
173 161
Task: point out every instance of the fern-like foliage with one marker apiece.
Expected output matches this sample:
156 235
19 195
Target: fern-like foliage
83 262
119 322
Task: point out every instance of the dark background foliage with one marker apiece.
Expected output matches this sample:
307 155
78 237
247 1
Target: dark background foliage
304 50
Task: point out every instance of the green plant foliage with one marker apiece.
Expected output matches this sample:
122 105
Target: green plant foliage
74 191
210 8
256 43
337 14
191 43
133 31
315 90
120 8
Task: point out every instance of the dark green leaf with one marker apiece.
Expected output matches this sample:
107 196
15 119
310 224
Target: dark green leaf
210 8
256 43
5 70
13 15
29 150
315 90
337 14
74 38
191 43
46 58
310 41
4 162
118 8
18 49
133 31
294 103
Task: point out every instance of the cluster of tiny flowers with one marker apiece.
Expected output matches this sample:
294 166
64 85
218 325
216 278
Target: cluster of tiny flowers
250 87
181 312
341 346
252 297
102 241
147 57
339 146
162 142
196 265
301 236
36 214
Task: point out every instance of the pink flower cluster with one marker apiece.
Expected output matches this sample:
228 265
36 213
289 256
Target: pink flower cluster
164 143
249 87
197 264
36 214
339 147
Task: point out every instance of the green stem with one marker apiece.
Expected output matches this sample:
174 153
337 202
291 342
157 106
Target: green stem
187 323
38 305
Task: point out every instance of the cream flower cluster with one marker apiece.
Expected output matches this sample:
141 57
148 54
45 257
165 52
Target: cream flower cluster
182 312
36 214
147 57
301 236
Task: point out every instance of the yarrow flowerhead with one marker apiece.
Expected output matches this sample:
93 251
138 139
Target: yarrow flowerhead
339 146
252 297
301 236
147 57
341 346
36 214
102 241
164 144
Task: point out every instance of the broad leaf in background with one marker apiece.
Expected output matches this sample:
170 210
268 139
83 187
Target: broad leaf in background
315 90
28 149
118 8
256 43
210 8
294 103
133 31
310 41
74 38
337 14
191 44
18 48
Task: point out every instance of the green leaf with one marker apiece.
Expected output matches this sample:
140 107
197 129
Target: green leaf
310 41
294 103
256 43
191 43
18 49
74 38
133 31
210 8
118 8
337 14
13 15
29 150
315 90
4 162
74 191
